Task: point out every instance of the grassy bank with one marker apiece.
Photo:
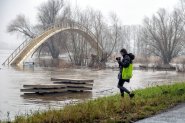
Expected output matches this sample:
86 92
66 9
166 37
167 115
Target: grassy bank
147 102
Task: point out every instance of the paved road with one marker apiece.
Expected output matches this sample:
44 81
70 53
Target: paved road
174 115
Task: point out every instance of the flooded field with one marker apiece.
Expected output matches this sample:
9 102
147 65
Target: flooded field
13 102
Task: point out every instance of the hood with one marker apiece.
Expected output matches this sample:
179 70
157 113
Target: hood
132 56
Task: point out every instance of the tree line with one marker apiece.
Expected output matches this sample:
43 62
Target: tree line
161 35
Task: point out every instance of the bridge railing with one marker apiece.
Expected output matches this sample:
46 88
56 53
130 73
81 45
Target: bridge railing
65 24
21 47
71 24
16 52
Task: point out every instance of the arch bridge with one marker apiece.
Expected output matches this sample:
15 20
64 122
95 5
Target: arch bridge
28 47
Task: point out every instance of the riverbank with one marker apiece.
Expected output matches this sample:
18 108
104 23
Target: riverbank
147 102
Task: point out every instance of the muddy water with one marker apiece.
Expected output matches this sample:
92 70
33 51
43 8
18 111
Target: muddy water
13 102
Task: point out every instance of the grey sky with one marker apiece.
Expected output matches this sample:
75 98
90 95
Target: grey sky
129 11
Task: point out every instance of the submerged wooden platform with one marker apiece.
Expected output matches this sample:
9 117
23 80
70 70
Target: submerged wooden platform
46 86
43 90
60 85
72 80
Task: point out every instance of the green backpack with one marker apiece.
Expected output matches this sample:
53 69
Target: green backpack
127 72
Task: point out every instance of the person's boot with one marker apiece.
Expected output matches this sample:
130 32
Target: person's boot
122 94
131 95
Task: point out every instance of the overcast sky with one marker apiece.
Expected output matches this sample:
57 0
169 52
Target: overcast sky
129 12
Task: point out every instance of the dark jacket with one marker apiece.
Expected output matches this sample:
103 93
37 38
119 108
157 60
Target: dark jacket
126 60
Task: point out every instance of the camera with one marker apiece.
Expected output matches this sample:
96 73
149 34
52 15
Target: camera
118 58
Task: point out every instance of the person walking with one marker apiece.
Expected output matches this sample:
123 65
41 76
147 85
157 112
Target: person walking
125 73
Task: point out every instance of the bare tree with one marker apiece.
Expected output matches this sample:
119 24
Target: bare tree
163 34
48 14
113 34
21 26
138 47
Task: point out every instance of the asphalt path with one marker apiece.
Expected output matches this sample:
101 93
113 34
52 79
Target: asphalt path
174 115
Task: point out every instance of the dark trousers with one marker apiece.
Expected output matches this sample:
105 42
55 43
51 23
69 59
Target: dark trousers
120 86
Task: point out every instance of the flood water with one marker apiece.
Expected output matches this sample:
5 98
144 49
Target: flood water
13 102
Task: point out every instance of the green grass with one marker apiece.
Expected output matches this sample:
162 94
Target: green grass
110 109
